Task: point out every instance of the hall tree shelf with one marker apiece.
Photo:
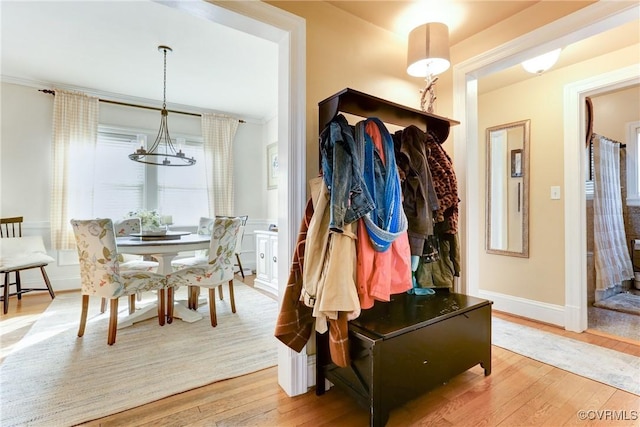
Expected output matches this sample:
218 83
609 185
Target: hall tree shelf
403 348
267 261
363 105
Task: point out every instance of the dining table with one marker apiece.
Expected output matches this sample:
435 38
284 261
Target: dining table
163 248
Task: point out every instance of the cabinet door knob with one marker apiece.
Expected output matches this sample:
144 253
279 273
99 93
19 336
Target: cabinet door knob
261 255
275 259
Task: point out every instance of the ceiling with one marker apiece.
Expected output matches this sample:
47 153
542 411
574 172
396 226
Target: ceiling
463 17
110 47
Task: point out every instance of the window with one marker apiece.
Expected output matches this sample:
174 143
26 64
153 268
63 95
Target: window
122 185
633 164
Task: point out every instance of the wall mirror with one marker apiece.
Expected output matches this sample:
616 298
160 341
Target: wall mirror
507 207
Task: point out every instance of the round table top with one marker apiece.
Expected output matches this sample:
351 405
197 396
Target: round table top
185 242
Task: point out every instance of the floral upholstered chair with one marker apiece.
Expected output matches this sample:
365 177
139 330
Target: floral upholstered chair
200 256
101 276
126 227
211 272
239 239
205 226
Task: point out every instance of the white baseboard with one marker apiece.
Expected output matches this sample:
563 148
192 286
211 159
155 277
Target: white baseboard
311 373
536 310
574 321
292 380
311 370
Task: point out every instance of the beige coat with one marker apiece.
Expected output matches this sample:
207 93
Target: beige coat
328 281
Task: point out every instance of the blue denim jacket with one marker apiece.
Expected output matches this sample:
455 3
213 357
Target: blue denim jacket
342 174
389 221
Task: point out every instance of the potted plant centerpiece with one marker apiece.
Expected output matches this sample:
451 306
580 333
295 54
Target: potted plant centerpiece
150 222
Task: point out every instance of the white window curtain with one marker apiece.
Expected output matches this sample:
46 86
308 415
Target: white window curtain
612 260
218 132
75 134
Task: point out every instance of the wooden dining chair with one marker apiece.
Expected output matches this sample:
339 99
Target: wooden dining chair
100 273
213 272
18 253
126 227
205 226
238 251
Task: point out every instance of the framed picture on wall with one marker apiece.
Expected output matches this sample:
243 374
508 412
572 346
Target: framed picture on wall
516 163
272 166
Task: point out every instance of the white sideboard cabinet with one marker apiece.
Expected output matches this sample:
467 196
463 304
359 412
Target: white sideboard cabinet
267 261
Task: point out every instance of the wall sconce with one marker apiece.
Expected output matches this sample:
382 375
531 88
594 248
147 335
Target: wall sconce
542 63
428 56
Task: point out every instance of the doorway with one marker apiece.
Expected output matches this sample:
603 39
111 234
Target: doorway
589 21
575 231
288 32
610 312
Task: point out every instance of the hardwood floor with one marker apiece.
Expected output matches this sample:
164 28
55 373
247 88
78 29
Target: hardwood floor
519 392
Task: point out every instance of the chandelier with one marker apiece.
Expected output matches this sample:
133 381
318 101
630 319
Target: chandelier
153 156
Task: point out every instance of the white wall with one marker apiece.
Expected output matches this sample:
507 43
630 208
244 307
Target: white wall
613 110
271 136
535 287
27 117
25 168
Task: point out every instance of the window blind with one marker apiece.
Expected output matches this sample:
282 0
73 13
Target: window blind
122 185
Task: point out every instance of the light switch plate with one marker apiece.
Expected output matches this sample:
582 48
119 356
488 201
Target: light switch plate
555 192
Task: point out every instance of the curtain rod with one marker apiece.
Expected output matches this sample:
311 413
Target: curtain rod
126 104
621 144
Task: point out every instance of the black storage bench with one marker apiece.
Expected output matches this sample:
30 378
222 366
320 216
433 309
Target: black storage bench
403 348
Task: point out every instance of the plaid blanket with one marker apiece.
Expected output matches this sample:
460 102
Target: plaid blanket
295 321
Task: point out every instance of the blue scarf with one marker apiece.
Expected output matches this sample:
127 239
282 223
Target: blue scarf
387 221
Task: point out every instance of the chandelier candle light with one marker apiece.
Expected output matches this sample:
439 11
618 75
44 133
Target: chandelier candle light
170 157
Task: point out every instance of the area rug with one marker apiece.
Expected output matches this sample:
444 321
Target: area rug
624 302
619 370
54 378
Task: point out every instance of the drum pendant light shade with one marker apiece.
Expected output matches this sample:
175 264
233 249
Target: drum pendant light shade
428 50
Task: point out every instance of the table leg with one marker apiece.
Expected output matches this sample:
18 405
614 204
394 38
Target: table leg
180 310
149 311
164 262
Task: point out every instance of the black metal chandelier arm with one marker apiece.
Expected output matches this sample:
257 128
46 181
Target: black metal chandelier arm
152 156
160 159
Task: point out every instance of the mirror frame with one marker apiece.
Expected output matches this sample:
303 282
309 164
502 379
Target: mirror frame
524 253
